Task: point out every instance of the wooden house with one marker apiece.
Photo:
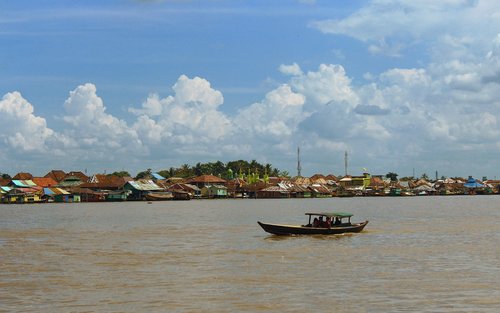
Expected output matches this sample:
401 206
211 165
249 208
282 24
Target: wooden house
67 198
274 191
139 189
22 195
207 180
181 191
214 191
320 191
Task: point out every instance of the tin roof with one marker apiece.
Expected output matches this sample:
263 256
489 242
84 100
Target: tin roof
157 176
23 183
5 189
55 191
144 185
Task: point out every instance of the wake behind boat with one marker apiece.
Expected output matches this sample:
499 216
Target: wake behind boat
323 224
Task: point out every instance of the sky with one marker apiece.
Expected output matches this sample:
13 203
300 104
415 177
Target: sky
404 86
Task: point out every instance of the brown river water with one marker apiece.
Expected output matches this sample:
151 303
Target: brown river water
418 254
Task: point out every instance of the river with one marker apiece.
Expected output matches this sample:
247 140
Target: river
417 254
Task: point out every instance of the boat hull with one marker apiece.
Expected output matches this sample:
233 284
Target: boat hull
278 229
158 196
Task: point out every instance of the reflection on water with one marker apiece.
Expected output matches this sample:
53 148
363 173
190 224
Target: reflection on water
434 254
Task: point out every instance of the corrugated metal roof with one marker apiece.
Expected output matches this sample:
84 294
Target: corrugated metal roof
275 189
144 185
23 183
60 191
47 191
55 191
157 176
5 189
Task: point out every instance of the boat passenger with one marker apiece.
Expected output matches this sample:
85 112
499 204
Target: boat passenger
337 221
315 222
328 222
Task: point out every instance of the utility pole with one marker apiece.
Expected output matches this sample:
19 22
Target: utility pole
299 168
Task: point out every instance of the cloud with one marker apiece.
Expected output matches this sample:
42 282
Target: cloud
396 116
277 116
382 47
328 83
20 128
293 69
190 115
442 107
367 109
405 23
99 139
89 122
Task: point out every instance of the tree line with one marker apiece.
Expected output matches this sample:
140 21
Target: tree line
229 170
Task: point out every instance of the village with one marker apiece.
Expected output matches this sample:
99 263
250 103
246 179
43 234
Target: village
75 186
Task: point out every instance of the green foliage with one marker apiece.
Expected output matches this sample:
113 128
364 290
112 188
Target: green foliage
227 171
284 174
5 176
120 174
144 174
392 176
167 173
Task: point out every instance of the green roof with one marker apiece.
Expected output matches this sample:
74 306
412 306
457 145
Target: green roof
332 214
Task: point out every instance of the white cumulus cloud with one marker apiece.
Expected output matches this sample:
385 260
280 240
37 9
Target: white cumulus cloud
20 128
97 134
275 117
188 116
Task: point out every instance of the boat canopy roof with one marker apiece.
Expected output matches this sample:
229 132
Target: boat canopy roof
332 214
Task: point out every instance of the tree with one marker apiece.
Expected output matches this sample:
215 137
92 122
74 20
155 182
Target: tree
392 176
185 171
144 174
165 173
120 174
284 174
218 168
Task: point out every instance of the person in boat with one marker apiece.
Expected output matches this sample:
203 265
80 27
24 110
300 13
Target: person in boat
337 221
328 222
315 222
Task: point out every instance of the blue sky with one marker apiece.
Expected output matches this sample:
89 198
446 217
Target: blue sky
401 85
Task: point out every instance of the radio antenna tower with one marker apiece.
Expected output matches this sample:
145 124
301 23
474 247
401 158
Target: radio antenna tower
345 162
299 168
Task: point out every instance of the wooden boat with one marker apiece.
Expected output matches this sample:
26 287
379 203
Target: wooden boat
338 223
158 196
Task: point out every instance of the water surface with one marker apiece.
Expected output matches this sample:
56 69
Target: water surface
419 254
